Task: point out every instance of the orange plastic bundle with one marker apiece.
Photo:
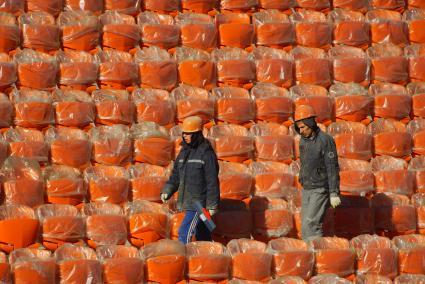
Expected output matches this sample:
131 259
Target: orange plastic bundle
158 30
27 143
394 215
113 107
199 6
287 280
78 264
235 67
164 255
417 165
352 102
416 128
315 96
415 19
291 257
148 221
53 7
64 185
6 111
415 4
350 28
391 101
390 137
230 24
397 5
351 139
195 68
247 254
386 26
312 29
5 273
416 56
284 5
328 278
36 70
234 105
22 182
61 224
409 278
411 253
69 147
371 278
147 181
235 181
207 261
354 5
162 6
39 31
107 184
197 31
106 224
418 200
392 175
331 249
273 29
273 142
73 108
18 227
15 7
312 66
350 65
10 32
152 144
129 7
239 6
156 68
119 31
30 265
417 91
4 149
356 177
319 5
94 6
375 255
272 218
117 70
232 142
273 66
121 264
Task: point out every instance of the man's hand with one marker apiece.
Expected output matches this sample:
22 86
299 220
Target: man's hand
164 197
212 211
335 201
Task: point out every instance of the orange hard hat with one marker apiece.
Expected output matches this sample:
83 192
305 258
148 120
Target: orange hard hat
303 112
192 124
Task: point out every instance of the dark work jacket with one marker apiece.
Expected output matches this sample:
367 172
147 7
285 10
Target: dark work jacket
195 177
319 163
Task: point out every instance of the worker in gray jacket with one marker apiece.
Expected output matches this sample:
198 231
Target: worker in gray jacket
319 172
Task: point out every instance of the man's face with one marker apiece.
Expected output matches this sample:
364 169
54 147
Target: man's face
187 136
305 131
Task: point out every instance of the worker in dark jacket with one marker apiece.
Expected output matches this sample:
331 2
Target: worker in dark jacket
195 177
319 172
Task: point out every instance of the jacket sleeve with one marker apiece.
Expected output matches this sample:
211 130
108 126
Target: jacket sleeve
332 166
211 169
172 184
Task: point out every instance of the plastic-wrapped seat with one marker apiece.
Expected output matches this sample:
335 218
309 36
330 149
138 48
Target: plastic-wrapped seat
4 149
162 6
291 257
154 105
232 142
417 165
329 278
390 137
411 253
394 215
397 5
164 255
356 177
273 29
61 223
312 29
350 28
53 7
32 266
129 7
6 111
22 182
106 224
8 72
18 227
354 5
418 200
36 70
244 6
234 105
71 147
80 30
73 108
391 101
409 279
197 31
235 181
416 128
350 65
27 143
415 19
235 67
107 184
147 181
280 5
5 273
78 264
152 144
156 68
10 32
386 26
207 261
94 6
13 7
371 278
247 254
416 57
273 66
121 264
195 68
417 91
148 222
415 4
199 6
39 31
158 30
113 107
64 185
312 66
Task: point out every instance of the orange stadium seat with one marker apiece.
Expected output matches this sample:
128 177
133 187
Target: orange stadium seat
411 252
235 181
417 91
418 200
273 29
386 26
417 165
94 6
199 6
245 6
120 31
350 28
350 65
391 101
415 19
162 6
13 7
312 28
32 266
6 111
4 149
197 31
416 58
147 181
53 7
9 29
282 5
113 107
129 7
5 273
312 66
73 108
355 5
416 129
356 177
27 143
397 5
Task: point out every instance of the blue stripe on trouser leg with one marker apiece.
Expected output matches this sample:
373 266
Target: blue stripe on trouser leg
191 225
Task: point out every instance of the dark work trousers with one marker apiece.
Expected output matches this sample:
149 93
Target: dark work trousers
314 204
192 225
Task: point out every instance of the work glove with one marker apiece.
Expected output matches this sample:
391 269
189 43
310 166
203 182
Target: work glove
164 197
335 201
212 211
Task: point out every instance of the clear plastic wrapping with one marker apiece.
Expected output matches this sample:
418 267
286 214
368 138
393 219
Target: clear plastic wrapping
238 5
113 107
416 56
277 4
411 253
328 278
94 6
30 265
397 5
415 19
197 31
228 26
417 90
6 111
235 180
158 30
10 32
417 165
162 6
147 181
13 7
27 143
386 26
73 108
350 28
391 101
418 200
4 149
234 105
416 128
350 65
53 7
199 6
8 71
273 29
356 177
129 7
